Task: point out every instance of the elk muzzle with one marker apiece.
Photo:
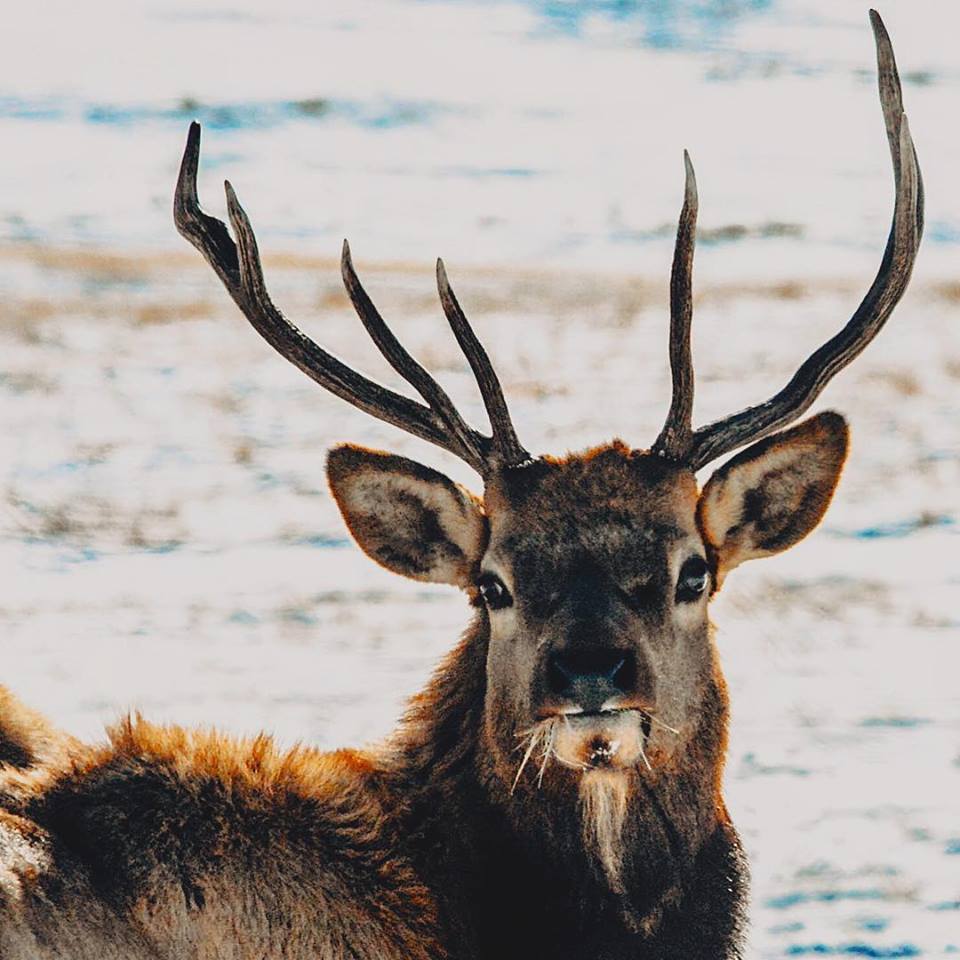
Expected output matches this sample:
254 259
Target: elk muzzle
598 703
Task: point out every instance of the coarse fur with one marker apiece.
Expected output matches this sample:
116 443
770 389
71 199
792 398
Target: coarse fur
500 820
27 739
604 801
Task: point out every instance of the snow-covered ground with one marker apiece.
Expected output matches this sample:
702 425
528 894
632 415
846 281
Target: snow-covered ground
532 131
166 538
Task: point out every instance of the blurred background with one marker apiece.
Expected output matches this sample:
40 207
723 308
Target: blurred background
167 542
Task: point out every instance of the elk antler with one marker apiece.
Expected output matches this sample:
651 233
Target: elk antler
694 449
238 267
674 439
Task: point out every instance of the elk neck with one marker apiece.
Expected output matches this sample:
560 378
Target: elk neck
502 859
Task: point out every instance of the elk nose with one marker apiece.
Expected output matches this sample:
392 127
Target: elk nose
591 678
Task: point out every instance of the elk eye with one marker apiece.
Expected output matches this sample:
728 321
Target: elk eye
493 593
693 579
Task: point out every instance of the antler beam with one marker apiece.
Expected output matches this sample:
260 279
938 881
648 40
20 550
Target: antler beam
718 438
239 269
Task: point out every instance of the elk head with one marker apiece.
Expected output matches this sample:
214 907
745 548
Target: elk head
592 573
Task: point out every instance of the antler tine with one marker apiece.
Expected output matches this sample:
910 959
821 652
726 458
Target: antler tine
209 235
891 281
506 447
400 359
239 269
674 439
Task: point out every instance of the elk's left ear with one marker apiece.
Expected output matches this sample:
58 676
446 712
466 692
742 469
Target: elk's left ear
772 495
409 518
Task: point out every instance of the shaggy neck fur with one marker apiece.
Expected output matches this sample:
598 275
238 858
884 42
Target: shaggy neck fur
602 861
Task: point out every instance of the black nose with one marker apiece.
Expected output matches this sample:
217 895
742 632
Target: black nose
591 678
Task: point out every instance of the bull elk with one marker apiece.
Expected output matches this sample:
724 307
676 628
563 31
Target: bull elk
555 791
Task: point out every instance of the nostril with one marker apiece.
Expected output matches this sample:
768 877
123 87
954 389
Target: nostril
614 667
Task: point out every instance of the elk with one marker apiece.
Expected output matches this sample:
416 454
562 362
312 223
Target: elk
555 791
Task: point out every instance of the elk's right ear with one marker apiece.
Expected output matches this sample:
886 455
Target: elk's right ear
409 518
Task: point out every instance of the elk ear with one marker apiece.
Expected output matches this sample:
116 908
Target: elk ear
409 518
772 495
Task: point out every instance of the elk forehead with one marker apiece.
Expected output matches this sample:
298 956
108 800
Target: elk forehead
597 504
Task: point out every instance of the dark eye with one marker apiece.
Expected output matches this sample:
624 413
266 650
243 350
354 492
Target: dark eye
693 579
494 594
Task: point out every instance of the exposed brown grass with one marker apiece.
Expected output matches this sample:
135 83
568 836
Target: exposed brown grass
904 383
514 290
154 313
948 290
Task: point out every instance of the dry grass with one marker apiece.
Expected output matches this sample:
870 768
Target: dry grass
91 522
948 291
516 291
155 313
904 383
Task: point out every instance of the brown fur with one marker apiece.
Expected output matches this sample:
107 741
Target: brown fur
396 508
212 847
168 843
27 739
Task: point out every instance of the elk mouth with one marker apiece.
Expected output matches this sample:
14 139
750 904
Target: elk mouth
578 715
603 751
612 739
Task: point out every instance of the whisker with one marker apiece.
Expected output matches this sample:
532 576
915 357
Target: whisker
660 723
572 764
643 754
534 740
551 732
547 753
